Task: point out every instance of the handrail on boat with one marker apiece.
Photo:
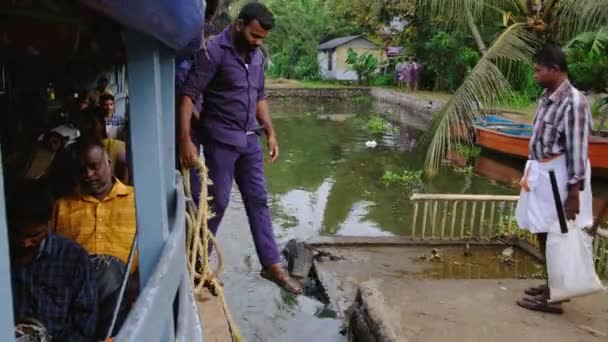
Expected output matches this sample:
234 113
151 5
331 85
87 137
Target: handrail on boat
146 321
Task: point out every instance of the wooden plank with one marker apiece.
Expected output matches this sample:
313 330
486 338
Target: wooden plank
482 216
472 224
492 224
415 220
463 218
454 214
444 218
463 197
511 214
426 209
434 221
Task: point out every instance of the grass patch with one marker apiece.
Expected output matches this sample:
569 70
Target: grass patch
376 125
410 179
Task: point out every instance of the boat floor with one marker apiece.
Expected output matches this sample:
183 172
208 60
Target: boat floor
405 307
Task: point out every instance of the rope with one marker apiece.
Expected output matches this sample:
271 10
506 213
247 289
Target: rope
31 331
199 241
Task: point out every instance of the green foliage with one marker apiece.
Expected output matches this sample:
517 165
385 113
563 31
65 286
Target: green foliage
300 25
517 100
364 65
383 80
371 15
468 151
376 125
588 61
599 110
307 68
447 60
410 179
466 170
586 72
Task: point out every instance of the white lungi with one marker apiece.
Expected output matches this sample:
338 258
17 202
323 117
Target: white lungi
536 210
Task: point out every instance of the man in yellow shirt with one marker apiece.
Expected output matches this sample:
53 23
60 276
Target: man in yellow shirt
100 216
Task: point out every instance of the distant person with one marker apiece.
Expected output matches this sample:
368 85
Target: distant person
399 68
415 70
404 75
230 77
94 96
100 217
115 125
559 142
52 278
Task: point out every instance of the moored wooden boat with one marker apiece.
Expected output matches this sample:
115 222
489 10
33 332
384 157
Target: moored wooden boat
506 136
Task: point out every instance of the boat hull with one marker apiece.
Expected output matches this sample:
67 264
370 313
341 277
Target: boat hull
517 146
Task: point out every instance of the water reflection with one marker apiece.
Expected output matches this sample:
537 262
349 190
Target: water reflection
328 181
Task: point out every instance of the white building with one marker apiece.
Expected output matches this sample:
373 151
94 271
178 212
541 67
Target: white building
332 56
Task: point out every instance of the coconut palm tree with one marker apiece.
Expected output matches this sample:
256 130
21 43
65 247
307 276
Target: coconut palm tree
526 25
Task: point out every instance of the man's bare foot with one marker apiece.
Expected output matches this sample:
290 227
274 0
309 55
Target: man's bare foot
279 276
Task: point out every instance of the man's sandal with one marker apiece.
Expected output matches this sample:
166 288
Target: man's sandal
540 305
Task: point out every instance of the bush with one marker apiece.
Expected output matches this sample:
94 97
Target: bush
307 68
589 73
383 80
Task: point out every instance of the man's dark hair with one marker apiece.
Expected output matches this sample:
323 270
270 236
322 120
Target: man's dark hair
551 56
85 144
105 97
30 203
257 11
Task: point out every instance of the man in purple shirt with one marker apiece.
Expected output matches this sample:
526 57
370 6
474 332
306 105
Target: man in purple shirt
230 76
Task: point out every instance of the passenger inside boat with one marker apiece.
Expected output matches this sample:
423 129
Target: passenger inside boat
66 150
54 292
101 217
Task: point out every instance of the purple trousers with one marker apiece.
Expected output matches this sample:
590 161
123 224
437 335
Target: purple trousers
245 165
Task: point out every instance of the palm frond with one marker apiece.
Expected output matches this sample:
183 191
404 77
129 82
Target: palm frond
453 12
596 40
577 16
485 85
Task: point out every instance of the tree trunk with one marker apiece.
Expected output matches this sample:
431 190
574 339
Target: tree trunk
475 31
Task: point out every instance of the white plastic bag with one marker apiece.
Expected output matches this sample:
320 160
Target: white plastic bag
570 265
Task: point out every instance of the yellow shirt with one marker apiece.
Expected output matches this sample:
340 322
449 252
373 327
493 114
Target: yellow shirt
116 149
101 227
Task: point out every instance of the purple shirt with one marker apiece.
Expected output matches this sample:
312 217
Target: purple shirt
231 89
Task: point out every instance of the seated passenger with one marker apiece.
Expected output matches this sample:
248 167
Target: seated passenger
115 125
93 128
51 276
101 217
102 88
48 164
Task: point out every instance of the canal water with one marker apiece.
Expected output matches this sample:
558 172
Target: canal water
329 181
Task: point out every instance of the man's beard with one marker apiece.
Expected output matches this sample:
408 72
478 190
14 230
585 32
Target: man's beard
242 43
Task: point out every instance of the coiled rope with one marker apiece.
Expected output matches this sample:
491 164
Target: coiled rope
199 242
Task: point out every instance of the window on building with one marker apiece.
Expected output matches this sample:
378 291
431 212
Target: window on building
330 62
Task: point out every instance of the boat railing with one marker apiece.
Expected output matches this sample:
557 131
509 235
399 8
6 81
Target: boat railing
478 217
168 281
